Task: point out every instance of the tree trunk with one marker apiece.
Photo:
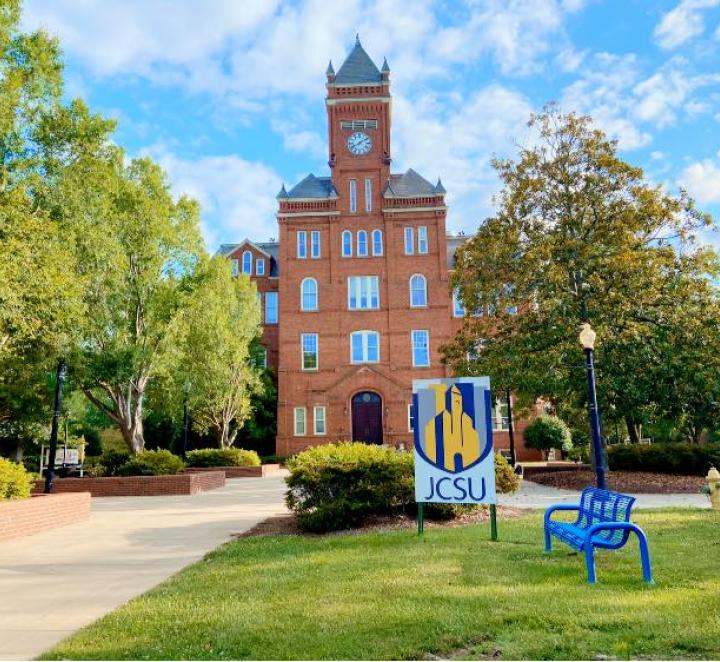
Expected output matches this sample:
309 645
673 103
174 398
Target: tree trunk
632 428
126 410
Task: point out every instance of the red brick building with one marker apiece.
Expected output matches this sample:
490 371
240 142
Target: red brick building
355 290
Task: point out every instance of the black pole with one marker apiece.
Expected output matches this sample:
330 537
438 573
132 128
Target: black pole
186 419
50 472
511 429
595 421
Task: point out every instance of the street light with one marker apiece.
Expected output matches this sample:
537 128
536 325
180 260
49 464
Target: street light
50 471
587 340
186 417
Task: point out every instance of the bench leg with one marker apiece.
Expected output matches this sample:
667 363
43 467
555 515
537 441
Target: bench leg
590 563
548 544
644 555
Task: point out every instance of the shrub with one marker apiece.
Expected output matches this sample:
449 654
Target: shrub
112 461
223 457
547 432
15 481
336 486
684 459
152 463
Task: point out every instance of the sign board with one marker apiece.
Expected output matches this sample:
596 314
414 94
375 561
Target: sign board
63 456
454 459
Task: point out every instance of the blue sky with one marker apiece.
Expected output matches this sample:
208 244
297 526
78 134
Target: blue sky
228 95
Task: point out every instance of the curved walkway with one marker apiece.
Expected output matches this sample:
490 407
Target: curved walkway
534 495
55 582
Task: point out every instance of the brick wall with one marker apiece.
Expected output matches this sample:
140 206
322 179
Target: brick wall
240 472
187 483
24 517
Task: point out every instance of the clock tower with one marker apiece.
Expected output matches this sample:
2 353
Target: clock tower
359 111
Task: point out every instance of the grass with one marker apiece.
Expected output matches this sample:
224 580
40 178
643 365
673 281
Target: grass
453 592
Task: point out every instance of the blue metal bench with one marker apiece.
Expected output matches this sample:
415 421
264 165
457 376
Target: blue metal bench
603 521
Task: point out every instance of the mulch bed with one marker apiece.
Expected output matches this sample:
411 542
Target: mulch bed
287 525
634 482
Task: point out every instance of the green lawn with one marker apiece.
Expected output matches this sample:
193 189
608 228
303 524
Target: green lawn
394 595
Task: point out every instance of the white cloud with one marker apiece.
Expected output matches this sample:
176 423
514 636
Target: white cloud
455 137
237 196
702 180
682 23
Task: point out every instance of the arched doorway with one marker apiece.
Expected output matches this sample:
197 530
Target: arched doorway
367 418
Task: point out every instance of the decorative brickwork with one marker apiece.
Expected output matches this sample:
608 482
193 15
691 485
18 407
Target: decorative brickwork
39 513
186 483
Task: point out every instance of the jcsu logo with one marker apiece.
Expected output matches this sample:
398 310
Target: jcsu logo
455 489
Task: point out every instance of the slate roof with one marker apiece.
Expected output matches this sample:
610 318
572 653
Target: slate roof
311 187
358 68
272 248
410 185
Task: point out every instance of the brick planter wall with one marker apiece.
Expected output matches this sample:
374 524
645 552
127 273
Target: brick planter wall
240 472
184 483
23 517
529 471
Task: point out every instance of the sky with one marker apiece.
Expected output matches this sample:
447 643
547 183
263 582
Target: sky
228 95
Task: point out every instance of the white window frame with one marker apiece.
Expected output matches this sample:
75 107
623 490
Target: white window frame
315 244
296 421
457 304
409 240
247 257
316 410
276 298
346 249
235 267
497 414
412 347
374 236
307 281
422 238
362 252
410 418
353 196
260 266
369 283
364 335
302 244
368 194
424 290
263 363
302 352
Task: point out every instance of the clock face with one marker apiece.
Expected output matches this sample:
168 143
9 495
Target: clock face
359 143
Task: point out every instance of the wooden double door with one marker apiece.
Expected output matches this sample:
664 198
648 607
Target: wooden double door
367 423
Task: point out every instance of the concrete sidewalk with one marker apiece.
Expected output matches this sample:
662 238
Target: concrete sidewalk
55 582
534 495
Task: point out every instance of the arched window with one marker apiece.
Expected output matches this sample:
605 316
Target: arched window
362 243
347 243
309 294
247 263
418 291
377 246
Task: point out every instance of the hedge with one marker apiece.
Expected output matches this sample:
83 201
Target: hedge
152 463
15 481
337 486
223 457
684 459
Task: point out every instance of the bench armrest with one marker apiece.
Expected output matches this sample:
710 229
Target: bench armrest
609 526
560 506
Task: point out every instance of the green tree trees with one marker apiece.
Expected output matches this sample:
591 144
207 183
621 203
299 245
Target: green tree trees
579 235
215 358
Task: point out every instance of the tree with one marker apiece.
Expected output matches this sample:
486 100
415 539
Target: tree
136 249
546 432
580 236
218 326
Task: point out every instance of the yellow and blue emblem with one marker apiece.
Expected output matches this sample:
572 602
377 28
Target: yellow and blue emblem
453 440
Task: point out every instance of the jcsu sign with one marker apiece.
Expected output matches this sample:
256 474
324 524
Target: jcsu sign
454 460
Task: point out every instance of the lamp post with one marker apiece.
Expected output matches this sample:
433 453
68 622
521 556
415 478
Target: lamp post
186 417
511 429
587 340
50 471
